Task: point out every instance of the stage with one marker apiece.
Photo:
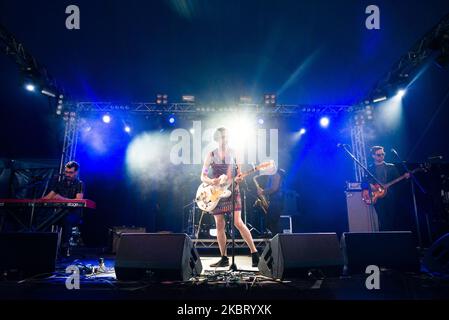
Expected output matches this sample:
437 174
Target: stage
306 135
220 284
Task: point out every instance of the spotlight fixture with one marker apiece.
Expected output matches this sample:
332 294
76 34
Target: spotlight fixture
161 99
324 122
127 129
302 131
30 87
106 118
245 100
171 120
48 93
379 99
261 121
60 105
400 93
270 99
188 99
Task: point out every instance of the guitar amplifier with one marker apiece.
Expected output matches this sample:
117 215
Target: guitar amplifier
361 217
116 234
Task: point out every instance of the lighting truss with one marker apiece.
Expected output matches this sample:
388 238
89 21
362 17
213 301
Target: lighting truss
148 108
409 64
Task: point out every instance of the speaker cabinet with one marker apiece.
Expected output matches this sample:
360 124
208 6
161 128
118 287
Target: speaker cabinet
145 256
24 255
294 255
388 249
436 259
361 217
116 234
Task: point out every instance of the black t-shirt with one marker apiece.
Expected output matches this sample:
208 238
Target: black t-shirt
69 189
385 173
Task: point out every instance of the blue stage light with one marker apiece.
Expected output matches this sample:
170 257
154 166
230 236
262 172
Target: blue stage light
324 122
30 87
400 93
106 118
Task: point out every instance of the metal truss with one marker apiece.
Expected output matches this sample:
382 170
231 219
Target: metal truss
70 138
27 63
433 42
146 108
359 149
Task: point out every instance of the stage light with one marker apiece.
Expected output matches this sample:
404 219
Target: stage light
261 121
171 120
48 93
400 93
270 99
127 129
161 99
379 99
188 99
245 100
30 87
192 131
324 122
59 110
106 118
302 131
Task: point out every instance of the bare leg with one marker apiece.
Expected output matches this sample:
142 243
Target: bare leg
244 231
221 234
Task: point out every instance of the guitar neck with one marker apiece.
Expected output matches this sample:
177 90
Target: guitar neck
399 179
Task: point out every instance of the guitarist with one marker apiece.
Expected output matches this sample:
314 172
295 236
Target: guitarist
273 192
221 161
384 172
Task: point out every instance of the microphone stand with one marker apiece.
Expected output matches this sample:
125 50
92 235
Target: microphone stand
365 169
373 178
233 266
414 181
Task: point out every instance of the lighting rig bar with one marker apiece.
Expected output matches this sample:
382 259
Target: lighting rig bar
435 43
146 108
27 62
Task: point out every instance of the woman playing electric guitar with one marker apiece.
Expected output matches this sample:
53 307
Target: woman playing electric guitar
221 162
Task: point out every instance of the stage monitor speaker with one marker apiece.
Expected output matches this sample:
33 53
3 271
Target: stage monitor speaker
24 255
295 255
117 234
158 256
436 259
394 250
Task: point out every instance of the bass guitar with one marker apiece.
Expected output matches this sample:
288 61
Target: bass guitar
380 191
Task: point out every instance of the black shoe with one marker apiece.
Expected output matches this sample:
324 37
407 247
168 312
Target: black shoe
255 258
223 262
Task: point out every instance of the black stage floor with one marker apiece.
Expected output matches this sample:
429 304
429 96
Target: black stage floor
220 284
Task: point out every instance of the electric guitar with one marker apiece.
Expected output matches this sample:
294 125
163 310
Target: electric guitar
208 196
380 191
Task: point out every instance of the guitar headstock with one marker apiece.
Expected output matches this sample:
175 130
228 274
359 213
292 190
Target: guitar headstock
268 167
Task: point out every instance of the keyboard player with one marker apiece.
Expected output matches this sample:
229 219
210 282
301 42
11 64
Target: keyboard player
70 187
